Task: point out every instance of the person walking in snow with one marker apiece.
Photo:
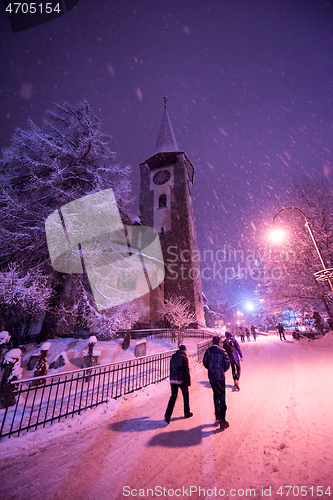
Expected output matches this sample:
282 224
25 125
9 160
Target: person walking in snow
318 322
179 378
280 329
235 355
217 363
241 333
247 333
254 332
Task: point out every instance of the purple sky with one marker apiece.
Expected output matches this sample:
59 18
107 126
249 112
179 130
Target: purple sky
249 85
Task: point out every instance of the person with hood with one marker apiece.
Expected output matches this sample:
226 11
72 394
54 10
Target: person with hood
179 378
217 363
235 355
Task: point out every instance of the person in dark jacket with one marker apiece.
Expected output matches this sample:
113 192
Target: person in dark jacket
280 329
242 334
217 363
179 378
254 332
235 355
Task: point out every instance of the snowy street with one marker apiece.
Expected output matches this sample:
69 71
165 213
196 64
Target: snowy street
280 435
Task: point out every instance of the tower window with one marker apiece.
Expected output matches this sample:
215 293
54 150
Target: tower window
162 201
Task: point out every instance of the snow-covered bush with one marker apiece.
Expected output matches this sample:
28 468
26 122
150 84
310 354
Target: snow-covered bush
12 372
89 355
27 295
4 340
41 365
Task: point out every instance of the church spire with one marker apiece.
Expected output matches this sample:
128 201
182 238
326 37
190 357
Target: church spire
166 141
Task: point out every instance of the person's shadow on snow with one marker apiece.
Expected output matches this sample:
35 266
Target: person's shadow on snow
182 437
138 424
171 439
205 383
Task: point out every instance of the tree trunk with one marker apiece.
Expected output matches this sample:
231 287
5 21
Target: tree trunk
180 336
327 307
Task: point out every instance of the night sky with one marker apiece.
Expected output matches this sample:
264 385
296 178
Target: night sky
249 84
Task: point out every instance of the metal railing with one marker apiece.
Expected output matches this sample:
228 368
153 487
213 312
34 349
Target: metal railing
69 393
202 348
167 333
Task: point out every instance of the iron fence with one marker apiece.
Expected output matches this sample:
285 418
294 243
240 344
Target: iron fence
166 333
69 393
202 348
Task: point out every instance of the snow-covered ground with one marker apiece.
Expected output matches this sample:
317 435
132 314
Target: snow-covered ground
280 435
73 351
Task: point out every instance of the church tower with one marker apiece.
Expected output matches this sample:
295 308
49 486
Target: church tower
166 205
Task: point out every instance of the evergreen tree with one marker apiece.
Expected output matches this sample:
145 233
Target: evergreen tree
41 365
12 371
4 341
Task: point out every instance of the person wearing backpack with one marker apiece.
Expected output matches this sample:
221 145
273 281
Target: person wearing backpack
217 363
231 346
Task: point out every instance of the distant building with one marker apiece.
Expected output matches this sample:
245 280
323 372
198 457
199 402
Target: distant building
166 205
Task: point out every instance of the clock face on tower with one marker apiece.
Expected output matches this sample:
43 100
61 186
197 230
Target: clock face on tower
161 177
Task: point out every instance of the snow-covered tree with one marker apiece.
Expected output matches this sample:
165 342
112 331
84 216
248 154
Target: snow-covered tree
41 365
295 286
106 323
12 372
26 296
44 169
4 341
178 313
89 355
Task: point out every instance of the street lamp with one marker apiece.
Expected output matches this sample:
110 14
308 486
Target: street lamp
244 300
325 274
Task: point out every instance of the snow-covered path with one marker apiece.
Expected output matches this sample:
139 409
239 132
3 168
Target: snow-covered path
281 434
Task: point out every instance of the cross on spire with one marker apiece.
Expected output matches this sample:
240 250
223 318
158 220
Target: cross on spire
166 140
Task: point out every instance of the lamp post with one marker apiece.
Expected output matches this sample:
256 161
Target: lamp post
235 305
324 274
